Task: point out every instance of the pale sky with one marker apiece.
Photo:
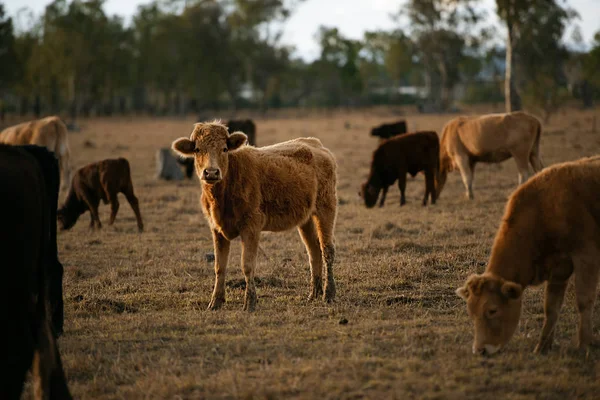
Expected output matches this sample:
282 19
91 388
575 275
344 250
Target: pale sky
351 17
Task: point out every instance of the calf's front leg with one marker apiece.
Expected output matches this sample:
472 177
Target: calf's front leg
221 246
385 190
249 252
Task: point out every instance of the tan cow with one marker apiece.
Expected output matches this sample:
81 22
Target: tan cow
550 231
492 139
49 132
246 190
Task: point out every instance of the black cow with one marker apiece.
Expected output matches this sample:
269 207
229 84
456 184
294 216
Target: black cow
243 125
51 171
26 337
386 131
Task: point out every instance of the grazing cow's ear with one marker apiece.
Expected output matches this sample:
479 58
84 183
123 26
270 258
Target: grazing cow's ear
184 146
235 140
511 290
463 292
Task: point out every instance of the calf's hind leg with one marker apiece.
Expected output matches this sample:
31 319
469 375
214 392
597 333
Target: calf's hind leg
586 283
325 221
114 208
133 202
308 233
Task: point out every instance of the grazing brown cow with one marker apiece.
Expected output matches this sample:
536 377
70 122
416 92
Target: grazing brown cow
491 139
49 132
101 180
396 157
550 231
26 338
246 190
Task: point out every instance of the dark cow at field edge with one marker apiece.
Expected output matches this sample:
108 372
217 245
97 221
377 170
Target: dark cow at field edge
386 131
101 180
26 336
394 158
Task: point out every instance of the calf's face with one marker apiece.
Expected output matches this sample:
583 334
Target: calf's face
210 144
494 306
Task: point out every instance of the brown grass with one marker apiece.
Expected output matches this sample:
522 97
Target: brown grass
136 325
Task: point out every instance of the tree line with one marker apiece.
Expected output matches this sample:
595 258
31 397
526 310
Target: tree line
182 56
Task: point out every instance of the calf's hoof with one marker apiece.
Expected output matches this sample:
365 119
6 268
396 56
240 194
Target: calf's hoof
316 289
216 303
329 295
141 228
542 348
250 302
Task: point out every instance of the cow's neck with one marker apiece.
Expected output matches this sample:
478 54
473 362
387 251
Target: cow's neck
514 254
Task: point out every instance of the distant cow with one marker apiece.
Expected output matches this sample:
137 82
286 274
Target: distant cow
246 190
26 335
396 157
386 131
49 132
101 180
550 231
188 164
54 268
246 126
492 139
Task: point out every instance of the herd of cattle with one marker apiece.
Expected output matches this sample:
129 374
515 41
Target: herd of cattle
550 229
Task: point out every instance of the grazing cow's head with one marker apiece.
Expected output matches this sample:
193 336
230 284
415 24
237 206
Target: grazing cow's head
494 305
66 219
210 143
369 193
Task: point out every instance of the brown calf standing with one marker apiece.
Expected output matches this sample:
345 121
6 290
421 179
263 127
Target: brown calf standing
396 157
101 180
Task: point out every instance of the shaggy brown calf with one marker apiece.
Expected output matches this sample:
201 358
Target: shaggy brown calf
396 157
550 231
101 180
386 131
246 190
49 132
489 138
26 338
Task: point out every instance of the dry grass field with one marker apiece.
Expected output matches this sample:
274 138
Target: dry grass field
136 324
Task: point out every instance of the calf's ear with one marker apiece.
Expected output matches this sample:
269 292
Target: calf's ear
235 140
184 147
463 292
511 290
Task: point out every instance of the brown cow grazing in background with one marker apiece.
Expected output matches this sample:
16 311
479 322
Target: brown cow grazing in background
101 180
491 139
386 131
49 132
26 338
396 157
246 126
246 190
550 231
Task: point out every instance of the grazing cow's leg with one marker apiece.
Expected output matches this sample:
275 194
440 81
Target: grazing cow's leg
522 161
555 294
114 207
92 203
385 190
308 233
249 253
586 281
221 246
135 206
402 187
429 186
536 163
466 168
47 371
325 221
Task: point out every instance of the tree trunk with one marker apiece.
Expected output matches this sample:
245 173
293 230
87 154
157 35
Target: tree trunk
512 100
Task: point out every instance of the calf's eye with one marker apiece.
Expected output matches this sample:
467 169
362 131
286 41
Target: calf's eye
225 150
